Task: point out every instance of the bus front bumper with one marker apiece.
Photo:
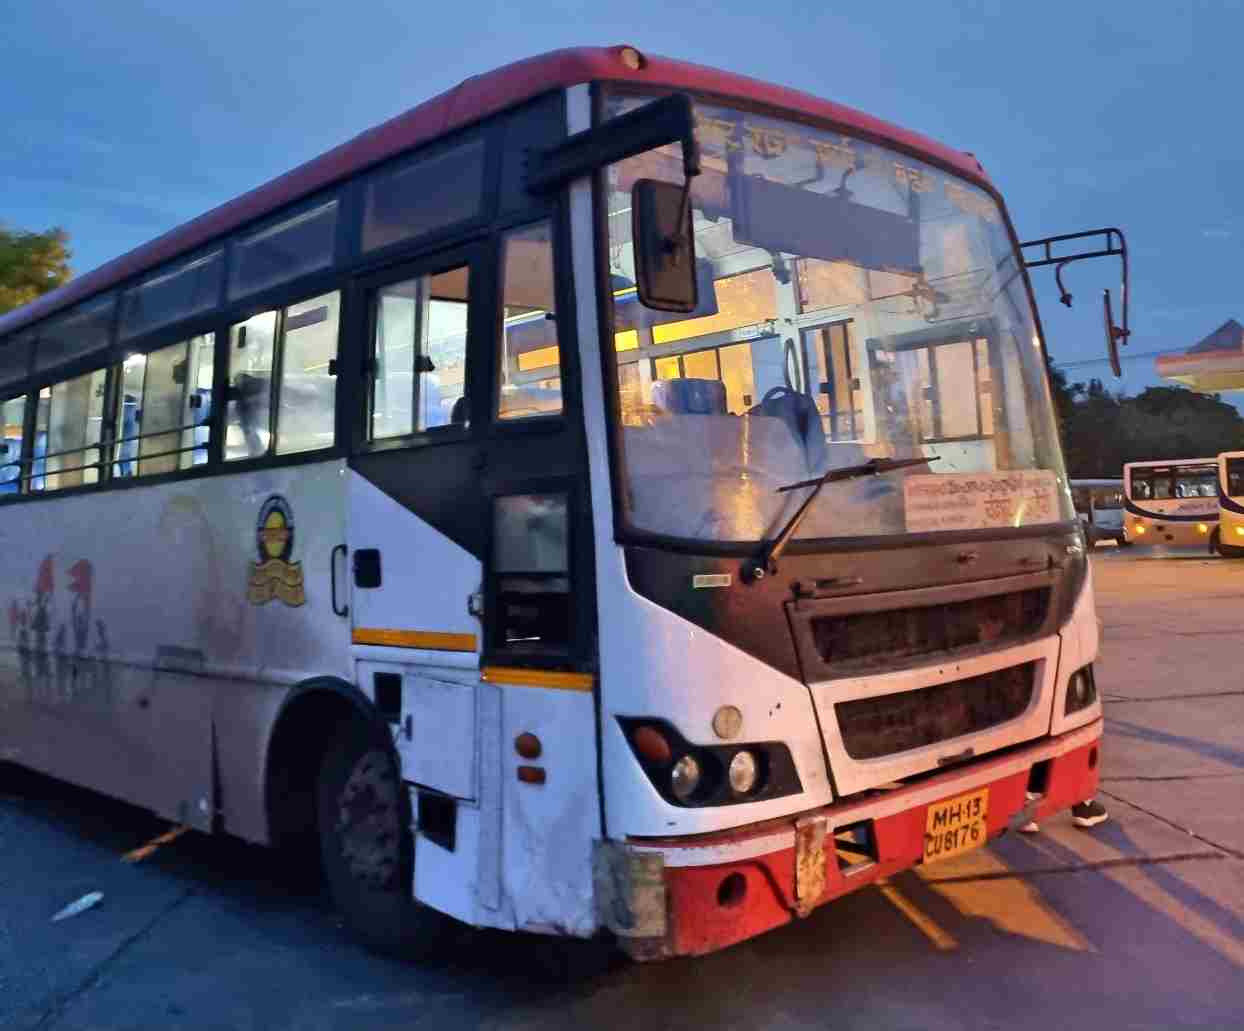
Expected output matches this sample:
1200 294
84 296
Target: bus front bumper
690 896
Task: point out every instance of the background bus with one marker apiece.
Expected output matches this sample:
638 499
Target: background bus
1228 536
1099 504
385 513
1171 502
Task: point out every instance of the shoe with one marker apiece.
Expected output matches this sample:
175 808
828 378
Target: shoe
1031 827
1089 814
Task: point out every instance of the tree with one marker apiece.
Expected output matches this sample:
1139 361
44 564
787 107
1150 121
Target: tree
31 264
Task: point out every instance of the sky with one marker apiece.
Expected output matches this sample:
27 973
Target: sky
124 119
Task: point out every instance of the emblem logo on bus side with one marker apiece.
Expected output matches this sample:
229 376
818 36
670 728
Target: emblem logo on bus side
274 575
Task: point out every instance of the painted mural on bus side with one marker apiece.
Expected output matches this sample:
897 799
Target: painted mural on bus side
61 660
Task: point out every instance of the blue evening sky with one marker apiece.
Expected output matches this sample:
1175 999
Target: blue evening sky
124 119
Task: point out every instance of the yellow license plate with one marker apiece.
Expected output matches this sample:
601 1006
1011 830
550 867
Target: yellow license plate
956 825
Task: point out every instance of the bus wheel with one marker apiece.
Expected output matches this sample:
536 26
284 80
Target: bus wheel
367 846
1225 550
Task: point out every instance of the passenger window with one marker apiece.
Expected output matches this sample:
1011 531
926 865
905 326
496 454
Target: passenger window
294 246
252 348
282 386
164 416
308 392
12 430
69 420
529 375
419 349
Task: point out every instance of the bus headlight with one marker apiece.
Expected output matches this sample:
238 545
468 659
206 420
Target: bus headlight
1081 691
702 775
685 777
744 772
1140 529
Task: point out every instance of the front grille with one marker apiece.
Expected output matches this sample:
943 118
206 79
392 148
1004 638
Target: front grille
867 640
893 723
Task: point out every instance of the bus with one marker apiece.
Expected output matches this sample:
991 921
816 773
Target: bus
1099 504
1171 503
615 497
1230 490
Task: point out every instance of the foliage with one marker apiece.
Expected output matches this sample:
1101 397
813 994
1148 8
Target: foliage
31 264
1101 431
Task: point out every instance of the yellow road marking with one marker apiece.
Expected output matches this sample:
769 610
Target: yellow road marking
433 640
537 678
1012 905
139 854
924 923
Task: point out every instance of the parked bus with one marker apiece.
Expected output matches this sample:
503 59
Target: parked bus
1171 503
1099 504
1228 536
614 496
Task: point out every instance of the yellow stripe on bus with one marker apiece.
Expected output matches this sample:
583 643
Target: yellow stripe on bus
537 678
432 640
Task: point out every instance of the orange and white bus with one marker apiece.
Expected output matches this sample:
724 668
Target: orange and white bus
614 496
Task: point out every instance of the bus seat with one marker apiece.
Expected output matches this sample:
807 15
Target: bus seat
202 419
802 417
461 413
690 396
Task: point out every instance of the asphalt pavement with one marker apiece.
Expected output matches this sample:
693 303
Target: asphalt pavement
1138 923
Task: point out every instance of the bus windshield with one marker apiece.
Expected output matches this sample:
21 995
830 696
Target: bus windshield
854 303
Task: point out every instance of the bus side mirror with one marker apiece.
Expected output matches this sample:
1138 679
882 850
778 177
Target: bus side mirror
1113 333
661 228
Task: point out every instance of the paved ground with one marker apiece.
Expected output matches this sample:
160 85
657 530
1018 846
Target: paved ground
1137 924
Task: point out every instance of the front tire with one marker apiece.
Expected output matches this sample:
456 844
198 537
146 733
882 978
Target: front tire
367 846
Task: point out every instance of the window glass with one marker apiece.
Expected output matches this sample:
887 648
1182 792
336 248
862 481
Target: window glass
252 347
420 355
289 248
164 418
422 195
1235 477
85 330
308 391
70 417
530 361
531 558
185 290
12 429
15 358
853 303
1196 481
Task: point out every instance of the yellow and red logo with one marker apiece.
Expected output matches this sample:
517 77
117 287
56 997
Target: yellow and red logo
274 575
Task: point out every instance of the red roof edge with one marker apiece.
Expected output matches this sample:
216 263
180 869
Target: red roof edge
470 101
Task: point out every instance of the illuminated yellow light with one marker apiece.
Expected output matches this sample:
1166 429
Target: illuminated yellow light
627 340
540 358
1140 529
1202 528
1240 530
631 58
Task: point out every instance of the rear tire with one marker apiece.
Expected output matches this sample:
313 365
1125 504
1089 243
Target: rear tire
367 847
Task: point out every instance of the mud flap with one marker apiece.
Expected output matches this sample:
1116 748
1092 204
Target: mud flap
630 897
810 834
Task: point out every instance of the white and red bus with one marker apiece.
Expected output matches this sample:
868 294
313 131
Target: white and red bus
613 496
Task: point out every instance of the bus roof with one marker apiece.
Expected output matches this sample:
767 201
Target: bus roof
470 101
1172 461
1116 484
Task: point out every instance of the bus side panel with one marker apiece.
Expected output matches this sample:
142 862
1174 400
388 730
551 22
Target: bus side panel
136 615
551 813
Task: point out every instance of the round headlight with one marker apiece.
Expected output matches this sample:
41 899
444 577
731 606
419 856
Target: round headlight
743 772
685 777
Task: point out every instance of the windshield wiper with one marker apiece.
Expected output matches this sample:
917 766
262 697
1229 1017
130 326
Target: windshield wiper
766 562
